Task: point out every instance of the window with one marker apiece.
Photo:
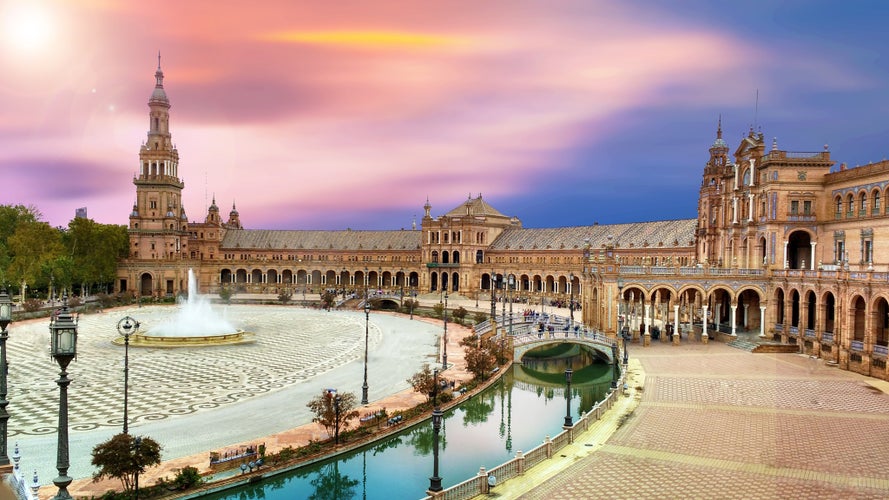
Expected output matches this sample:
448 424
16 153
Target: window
876 208
807 208
794 207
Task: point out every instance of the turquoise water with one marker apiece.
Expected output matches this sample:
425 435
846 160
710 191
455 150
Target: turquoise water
514 414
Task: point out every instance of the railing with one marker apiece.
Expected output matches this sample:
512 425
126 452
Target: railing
809 333
881 350
794 330
779 327
857 345
827 337
478 485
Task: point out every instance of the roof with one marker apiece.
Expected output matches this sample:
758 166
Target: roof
670 233
474 206
266 239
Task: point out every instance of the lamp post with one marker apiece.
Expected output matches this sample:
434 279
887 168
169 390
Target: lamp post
571 299
401 296
63 347
435 480
126 327
444 355
510 291
413 301
493 298
366 331
5 320
568 421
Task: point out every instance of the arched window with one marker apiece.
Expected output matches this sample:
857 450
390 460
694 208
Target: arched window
850 202
839 202
876 208
434 256
862 204
746 181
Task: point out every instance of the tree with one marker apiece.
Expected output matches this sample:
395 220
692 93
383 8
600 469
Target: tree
324 408
480 355
225 293
32 245
284 297
11 216
95 250
438 310
125 457
423 382
459 314
479 317
328 299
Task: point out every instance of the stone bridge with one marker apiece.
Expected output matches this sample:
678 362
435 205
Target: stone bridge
605 348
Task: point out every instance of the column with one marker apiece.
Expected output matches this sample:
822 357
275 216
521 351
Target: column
749 208
745 315
676 324
646 320
812 258
718 316
704 337
734 328
752 172
735 208
762 321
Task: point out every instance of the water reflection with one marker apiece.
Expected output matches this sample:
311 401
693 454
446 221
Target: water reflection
516 413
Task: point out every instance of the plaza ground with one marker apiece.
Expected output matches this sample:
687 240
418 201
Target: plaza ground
700 421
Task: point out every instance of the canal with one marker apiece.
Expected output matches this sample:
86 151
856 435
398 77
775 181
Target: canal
514 414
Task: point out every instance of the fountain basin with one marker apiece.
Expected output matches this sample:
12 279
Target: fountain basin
145 340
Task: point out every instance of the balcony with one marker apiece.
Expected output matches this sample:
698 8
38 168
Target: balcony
857 345
449 265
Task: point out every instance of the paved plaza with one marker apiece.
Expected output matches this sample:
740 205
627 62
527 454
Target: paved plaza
193 400
717 422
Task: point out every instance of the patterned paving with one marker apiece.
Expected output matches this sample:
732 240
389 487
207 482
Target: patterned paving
291 345
719 424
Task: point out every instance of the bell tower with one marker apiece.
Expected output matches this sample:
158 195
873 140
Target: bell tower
158 226
710 202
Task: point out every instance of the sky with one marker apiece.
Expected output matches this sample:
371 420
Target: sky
351 114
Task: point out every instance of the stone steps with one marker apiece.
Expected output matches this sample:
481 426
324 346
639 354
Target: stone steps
743 345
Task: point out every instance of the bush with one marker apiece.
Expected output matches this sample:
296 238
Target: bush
74 302
106 300
32 305
187 477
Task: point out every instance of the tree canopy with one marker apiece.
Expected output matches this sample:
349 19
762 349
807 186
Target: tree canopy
125 457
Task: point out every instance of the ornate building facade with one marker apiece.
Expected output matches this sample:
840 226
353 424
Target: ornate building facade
784 246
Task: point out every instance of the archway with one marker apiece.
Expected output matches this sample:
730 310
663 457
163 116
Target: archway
799 251
145 285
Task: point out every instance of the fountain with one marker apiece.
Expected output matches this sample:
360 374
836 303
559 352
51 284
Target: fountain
195 323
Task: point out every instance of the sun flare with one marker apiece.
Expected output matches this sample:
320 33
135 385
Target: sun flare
28 26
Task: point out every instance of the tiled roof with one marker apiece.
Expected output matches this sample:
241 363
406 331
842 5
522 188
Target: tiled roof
266 239
474 206
671 233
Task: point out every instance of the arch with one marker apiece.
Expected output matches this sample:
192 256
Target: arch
287 277
858 312
456 257
799 250
828 307
838 202
225 275
241 276
875 205
435 256
445 257
486 281
749 303
862 203
433 281
479 256
850 205
455 281
256 276
881 322
779 306
444 281
809 308
146 284
272 276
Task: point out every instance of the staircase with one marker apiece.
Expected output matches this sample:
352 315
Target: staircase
744 345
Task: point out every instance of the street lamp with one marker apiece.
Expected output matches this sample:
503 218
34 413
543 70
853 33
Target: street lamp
63 347
401 295
511 298
366 331
493 299
444 356
5 320
126 327
568 421
435 480
571 300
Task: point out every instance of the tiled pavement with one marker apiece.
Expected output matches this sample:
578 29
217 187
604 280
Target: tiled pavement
717 422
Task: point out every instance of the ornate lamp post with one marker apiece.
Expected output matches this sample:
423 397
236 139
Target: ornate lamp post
401 296
137 449
126 327
568 421
435 480
366 331
5 320
444 355
511 293
63 347
571 299
493 298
